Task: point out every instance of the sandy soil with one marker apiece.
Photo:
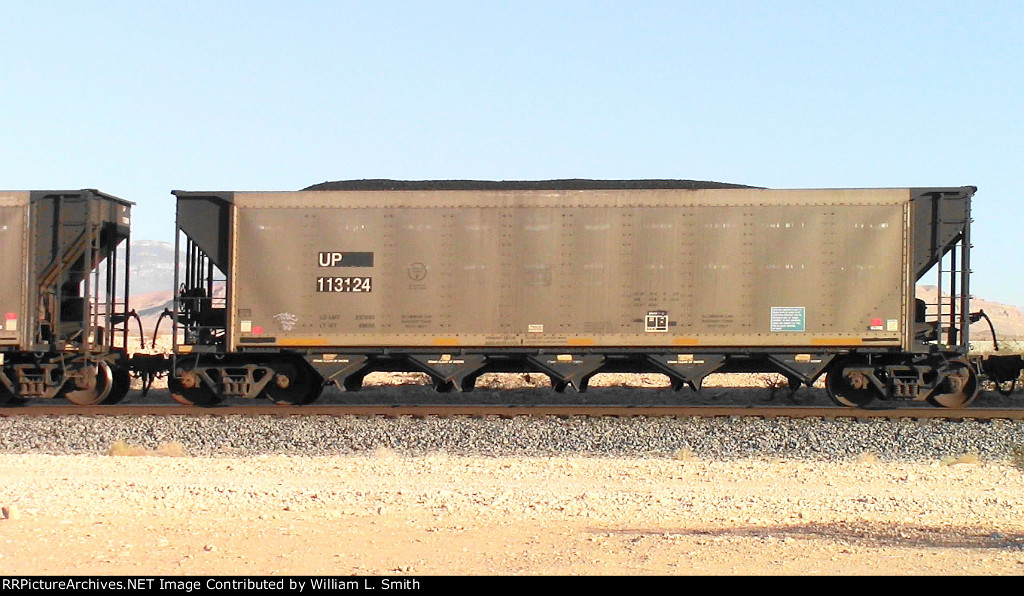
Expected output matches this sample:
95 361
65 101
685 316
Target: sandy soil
383 514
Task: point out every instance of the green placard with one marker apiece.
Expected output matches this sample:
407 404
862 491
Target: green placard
789 318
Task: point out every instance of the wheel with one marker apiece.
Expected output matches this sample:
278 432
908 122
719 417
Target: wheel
292 385
187 389
958 388
122 380
92 384
851 389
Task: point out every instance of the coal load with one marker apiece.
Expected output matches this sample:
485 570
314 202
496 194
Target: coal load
567 184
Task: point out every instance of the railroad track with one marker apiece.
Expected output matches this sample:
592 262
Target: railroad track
479 411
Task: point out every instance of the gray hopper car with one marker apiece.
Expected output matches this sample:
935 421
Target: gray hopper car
65 326
284 292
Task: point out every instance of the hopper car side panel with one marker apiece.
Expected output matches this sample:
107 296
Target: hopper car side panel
656 269
13 302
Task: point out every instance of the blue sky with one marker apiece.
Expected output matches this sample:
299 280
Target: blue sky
139 98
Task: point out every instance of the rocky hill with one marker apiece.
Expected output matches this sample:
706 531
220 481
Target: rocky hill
152 267
1007 320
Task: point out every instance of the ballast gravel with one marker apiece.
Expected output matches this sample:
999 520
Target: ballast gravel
710 438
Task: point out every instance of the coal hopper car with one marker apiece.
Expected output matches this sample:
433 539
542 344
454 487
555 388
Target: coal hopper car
64 296
282 293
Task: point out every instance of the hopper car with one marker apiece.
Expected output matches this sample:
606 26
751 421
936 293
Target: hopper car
64 296
279 294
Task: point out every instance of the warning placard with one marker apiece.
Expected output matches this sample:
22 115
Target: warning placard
789 318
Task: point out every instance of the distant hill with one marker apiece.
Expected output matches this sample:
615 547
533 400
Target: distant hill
152 267
152 280
1007 320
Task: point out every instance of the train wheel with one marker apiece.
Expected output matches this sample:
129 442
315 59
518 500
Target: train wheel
122 380
848 388
959 388
93 384
187 389
292 384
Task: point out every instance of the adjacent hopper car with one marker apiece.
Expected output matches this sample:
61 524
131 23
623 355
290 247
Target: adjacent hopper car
281 293
63 306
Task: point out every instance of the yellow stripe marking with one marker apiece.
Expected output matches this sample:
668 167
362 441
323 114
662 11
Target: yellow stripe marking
308 341
685 341
580 341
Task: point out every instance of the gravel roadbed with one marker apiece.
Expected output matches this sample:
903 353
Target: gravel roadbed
708 438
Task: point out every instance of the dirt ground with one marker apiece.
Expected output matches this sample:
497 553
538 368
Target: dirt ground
385 514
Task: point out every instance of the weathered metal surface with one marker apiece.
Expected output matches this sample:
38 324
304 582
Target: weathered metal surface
14 315
675 269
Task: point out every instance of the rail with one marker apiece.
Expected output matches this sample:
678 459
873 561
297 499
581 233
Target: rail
473 411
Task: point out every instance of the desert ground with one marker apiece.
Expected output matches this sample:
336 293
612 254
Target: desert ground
163 512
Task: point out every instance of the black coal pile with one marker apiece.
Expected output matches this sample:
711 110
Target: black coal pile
568 184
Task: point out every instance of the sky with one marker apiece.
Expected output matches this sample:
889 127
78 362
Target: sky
140 98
